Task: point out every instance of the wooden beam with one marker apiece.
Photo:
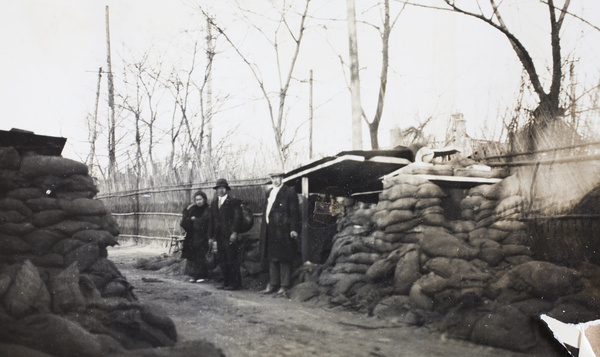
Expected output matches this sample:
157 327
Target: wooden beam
304 234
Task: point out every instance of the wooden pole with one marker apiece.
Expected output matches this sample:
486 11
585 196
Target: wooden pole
354 77
111 104
310 118
304 243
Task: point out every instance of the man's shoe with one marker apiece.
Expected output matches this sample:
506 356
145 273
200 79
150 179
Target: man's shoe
283 292
269 289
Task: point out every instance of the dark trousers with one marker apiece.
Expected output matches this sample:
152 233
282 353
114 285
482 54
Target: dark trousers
279 274
229 261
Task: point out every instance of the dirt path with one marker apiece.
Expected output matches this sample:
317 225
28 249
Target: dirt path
249 324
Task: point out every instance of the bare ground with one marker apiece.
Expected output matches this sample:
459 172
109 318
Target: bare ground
248 324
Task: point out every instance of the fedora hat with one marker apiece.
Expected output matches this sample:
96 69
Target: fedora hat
222 183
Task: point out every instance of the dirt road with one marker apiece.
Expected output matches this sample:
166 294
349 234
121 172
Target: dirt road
248 324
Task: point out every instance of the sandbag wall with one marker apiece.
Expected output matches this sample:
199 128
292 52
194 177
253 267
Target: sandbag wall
473 278
59 292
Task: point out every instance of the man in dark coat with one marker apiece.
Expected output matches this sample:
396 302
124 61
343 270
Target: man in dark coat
225 221
279 243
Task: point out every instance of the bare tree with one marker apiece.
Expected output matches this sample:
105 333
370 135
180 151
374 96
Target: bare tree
548 108
384 30
276 111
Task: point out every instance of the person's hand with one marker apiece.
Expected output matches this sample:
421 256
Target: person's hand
233 237
294 234
193 218
190 206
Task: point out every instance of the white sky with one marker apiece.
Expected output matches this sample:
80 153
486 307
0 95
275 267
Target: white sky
440 64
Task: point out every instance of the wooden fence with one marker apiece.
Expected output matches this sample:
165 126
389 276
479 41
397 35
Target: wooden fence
566 240
153 214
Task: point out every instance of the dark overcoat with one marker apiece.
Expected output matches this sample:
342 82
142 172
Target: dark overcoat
224 220
284 217
196 231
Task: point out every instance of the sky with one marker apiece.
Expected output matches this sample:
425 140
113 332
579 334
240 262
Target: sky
441 64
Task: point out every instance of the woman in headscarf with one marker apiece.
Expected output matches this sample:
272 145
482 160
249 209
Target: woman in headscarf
195 245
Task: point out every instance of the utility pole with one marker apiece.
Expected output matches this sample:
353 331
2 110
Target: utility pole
93 127
210 54
354 77
310 118
111 104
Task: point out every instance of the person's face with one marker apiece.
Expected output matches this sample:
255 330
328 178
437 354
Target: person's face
277 181
221 191
199 200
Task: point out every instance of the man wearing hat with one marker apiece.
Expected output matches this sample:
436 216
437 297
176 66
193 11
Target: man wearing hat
225 221
280 233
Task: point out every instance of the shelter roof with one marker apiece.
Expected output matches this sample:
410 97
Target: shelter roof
26 141
350 172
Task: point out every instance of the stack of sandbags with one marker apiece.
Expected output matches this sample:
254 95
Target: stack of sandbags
466 277
54 269
352 252
498 230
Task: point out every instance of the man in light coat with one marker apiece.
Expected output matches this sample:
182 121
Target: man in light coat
279 241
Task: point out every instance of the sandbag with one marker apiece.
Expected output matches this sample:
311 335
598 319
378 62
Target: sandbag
432 284
488 233
11 244
102 272
64 290
448 268
516 249
419 298
11 217
446 245
509 203
350 268
103 238
83 206
543 279
406 203
359 258
345 283
428 202
403 226
52 334
66 246
433 219
382 269
9 158
406 272
70 227
25 193
42 203
398 191
19 229
42 240
461 226
509 225
106 222
50 260
10 179
379 245
403 179
37 165
385 218
12 204
27 294
429 190
490 251
471 202
506 328
47 218
72 183
85 256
